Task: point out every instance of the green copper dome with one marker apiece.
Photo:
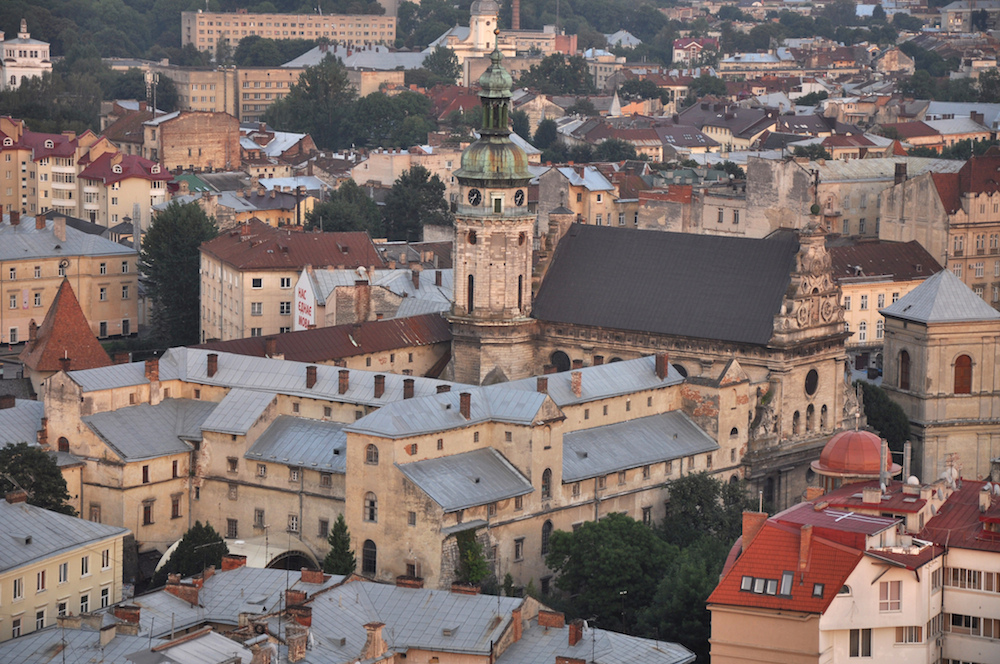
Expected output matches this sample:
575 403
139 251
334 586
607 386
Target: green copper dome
494 160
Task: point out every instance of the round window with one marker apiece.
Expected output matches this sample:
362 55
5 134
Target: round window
812 382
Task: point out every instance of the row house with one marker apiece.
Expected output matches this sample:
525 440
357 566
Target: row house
939 135
206 30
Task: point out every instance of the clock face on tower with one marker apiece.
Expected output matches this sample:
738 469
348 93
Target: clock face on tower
475 197
519 197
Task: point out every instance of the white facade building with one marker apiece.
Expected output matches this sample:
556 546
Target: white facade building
23 58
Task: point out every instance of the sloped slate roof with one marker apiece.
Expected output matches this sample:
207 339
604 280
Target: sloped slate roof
238 411
72 646
903 261
542 645
21 423
645 440
942 298
51 533
25 241
460 481
65 332
667 283
145 431
296 441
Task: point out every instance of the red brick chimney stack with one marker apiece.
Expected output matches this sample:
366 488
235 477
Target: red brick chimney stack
213 364
465 405
379 386
310 376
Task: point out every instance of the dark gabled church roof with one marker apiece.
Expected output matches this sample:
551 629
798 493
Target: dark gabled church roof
699 286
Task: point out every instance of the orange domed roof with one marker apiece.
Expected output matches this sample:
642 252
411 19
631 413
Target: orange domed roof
853 453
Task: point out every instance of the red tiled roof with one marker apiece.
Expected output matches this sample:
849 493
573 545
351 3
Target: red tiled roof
912 129
675 193
959 523
131 166
882 258
61 145
332 343
898 150
65 332
128 128
839 140
776 550
948 188
256 245
981 175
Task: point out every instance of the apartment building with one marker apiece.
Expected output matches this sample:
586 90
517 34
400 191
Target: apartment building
193 141
248 274
115 184
37 255
206 30
54 565
23 58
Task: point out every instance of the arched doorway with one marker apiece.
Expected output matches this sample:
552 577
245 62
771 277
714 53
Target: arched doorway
560 361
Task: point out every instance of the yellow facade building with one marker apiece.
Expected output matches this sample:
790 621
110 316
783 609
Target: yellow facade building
206 30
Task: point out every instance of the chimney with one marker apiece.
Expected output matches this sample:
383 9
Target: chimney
121 357
415 275
515 16
375 645
314 576
39 223
185 591
379 386
661 365
443 388
59 228
549 369
871 495
18 496
297 637
15 217
301 614
407 388
403 581
153 370
310 376
232 561
293 597
213 364
598 360
107 634
813 492
128 613
752 524
551 619
270 347
576 380
344 381
437 277
900 173
542 385
575 632
515 620
805 542
465 404
65 363
7 401
577 364
32 330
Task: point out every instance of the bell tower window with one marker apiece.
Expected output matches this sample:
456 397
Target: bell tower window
471 294
497 205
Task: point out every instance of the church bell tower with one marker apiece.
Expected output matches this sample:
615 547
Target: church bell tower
493 337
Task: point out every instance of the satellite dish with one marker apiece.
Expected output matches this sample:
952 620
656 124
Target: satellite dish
64 263
913 480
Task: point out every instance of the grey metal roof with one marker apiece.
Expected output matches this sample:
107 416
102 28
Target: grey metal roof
667 283
32 533
853 170
145 431
942 298
116 375
82 646
543 645
460 481
603 381
399 282
21 423
238 411
438 412
26 241
209 648
413 618
614 447
354 57
296 441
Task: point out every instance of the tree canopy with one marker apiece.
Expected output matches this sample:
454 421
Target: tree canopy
614 149
171 263
416 198
558 75
318 104
885 416
200 547
349 209
443 63
28 467
813 151
340 558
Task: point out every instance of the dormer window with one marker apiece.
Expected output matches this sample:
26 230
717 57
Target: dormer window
7 142
49 144
117 168
155 170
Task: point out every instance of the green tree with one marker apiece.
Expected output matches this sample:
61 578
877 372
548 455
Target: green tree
706 85
546 134
701 505
582 106
989 86
559 75
349 209
170 265
443 63
319 104
23 466
521 124
379 120
609 568
614 149
885 416
200 548
256 51
812 151
812 98
472 565
581 153
636 88
416 198
340 559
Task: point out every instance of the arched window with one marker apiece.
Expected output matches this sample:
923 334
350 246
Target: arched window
471 294
371 508
904 370
63 444
546 484
810 417
822 418
546 534
879 329
735 479
681 370
560 361
963 374
795 423
862 331
371 455
734 433
369 557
